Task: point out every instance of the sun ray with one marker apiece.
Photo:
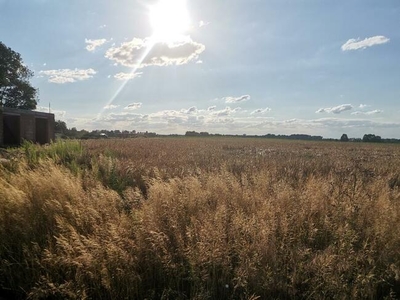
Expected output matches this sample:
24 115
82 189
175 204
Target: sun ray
150 46
170 22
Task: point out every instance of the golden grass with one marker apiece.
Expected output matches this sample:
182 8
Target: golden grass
175 218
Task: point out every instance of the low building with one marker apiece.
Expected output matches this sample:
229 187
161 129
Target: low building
17 125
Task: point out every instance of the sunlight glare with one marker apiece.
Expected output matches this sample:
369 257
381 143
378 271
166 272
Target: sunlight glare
169 20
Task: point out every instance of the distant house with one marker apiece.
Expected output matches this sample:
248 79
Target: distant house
17 125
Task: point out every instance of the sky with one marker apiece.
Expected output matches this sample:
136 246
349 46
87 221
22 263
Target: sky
316 67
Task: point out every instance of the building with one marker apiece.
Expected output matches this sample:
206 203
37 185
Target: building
17 125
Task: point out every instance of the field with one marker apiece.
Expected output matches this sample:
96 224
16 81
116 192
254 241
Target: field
200 218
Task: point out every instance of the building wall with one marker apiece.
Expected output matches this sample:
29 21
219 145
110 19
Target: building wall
1 127
52 124
28 124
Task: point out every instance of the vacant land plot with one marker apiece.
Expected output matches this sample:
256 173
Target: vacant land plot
200 218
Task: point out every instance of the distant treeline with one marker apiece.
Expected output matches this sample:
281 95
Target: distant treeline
366 138
63 132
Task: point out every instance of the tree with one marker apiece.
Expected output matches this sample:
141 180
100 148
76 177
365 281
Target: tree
372 138
15 89
344 138
61 127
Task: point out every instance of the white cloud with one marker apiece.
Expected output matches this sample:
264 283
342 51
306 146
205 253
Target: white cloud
140 53
134 106
203 23
364 106
111 106
123 117
67 75
211 108
128 76
199 62
368 113
59 114
225 112
93 44
355 44
191 110
235 121
261 111
236 99
336 110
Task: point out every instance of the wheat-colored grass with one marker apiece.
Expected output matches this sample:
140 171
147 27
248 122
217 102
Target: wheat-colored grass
174 218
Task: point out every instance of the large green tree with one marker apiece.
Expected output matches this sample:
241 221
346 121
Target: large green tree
15 89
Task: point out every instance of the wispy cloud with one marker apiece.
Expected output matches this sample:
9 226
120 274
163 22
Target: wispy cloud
227 111
111 106
190 110
261 111
336 110
362 106
128 76
93 44
133 53
59 114
367 113
134 106
236 99
355 44
203 23
233 120
67 75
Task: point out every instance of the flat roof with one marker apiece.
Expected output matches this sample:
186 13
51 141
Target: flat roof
16 111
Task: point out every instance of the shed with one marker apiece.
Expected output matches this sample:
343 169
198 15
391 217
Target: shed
17 125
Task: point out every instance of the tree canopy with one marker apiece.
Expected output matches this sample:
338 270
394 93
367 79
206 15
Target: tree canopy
344 138
15 89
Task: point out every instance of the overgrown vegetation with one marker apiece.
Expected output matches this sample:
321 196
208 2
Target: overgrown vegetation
182 218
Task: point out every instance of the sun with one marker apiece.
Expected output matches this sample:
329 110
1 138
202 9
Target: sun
170 20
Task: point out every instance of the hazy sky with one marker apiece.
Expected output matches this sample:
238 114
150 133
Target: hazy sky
258 66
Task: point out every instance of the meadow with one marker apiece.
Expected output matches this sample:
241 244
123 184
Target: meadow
200 218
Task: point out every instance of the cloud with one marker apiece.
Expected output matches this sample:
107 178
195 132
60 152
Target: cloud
123 117
140 53
336 110
59 114
111 106
199 62
355 44
133 106
203 23
234 121
211 108
93 44
368 113
67 75
364 106
128 76
225 112
261 111
236 99
353 123
191 110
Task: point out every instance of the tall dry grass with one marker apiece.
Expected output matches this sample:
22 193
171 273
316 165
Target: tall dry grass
202 219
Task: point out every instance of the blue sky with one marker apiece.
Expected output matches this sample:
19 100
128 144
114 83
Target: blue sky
281 66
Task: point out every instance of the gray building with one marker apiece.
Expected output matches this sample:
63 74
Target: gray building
17 125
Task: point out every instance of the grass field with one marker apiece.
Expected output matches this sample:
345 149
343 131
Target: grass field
200 218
